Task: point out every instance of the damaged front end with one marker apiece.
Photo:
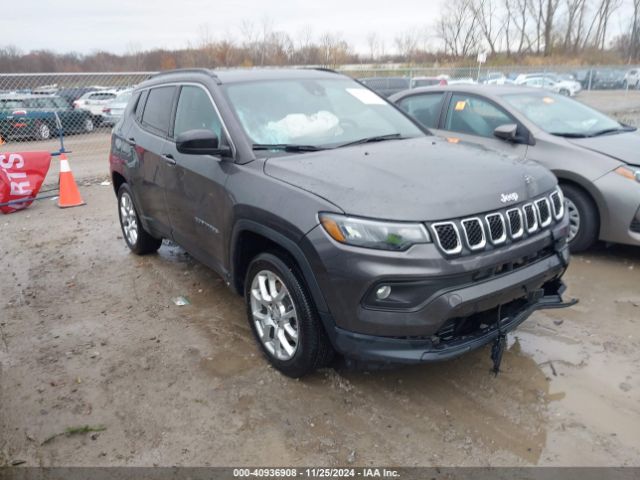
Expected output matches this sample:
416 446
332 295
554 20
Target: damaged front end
488 311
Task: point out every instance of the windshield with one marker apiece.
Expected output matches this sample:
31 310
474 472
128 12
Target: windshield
9 104
316 113
559 115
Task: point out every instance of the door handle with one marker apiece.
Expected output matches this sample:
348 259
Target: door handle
169 159
130 140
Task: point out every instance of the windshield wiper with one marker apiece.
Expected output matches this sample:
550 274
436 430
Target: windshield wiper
570 134
608 131
286 147
378 138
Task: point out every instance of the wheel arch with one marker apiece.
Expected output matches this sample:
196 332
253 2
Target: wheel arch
117 179
250 238
592 193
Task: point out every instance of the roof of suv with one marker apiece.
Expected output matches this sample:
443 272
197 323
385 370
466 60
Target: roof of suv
251 74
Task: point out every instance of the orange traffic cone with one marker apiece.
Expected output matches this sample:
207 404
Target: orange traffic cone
69 193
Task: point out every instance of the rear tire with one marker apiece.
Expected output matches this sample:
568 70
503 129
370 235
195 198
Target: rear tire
283 318
137 238
88 125
565 92
43 132
584 222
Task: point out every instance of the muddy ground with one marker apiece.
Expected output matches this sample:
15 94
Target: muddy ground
89 335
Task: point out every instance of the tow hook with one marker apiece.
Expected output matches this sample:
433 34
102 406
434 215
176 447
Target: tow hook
547 297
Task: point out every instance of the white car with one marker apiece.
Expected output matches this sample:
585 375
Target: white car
563 87
94 102
632 78
499 81
462 81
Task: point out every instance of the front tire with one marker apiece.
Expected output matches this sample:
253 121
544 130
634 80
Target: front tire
584 222
283 318
137 238
565 92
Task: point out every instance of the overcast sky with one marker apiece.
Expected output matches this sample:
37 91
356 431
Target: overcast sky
118 26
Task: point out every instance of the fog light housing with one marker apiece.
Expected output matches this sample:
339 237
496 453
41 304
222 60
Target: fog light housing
383 292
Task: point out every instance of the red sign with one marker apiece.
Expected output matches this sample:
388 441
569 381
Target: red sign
21 176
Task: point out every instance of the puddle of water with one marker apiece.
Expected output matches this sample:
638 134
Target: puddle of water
585 383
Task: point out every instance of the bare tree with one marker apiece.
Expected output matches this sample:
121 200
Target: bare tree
407 43
634 36
373 42
518 13
458 28
491 21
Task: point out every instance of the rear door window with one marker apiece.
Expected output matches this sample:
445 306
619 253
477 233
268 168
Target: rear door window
157 110
424 107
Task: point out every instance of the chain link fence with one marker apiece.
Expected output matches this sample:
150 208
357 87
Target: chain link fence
35 109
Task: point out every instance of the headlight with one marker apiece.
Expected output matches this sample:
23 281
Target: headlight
372 233
629 172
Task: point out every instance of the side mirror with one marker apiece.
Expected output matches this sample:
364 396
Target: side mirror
508 132
200 142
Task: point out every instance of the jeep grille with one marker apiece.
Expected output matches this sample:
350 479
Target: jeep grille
474 233
497 228
448 237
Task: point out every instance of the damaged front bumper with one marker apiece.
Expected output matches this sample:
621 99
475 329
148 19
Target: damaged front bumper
370 349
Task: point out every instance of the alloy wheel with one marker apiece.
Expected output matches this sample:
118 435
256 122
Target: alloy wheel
274 315
574 219
44 131
128 218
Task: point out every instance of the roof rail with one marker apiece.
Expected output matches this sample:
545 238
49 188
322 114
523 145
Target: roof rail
186 70
323 69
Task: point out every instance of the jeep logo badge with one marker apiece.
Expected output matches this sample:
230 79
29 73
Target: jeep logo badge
509 197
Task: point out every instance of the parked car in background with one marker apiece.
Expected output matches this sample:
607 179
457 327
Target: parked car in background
568 88
499 81
36 116
94 102
564 83
594 157
112 111
74 93
342 223
386 86
632 78
492 77
461 81
607 79
521 78
584 76
428 81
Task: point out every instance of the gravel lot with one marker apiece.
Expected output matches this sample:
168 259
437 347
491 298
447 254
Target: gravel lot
89 336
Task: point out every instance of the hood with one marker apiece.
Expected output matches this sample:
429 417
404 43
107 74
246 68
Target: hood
414 180
622 146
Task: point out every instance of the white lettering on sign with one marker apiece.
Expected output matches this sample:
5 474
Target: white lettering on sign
15 160
19 188
11 161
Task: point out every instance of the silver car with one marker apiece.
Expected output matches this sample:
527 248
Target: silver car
596 159
112 112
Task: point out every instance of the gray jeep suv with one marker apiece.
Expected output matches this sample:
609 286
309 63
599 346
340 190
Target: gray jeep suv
346 226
